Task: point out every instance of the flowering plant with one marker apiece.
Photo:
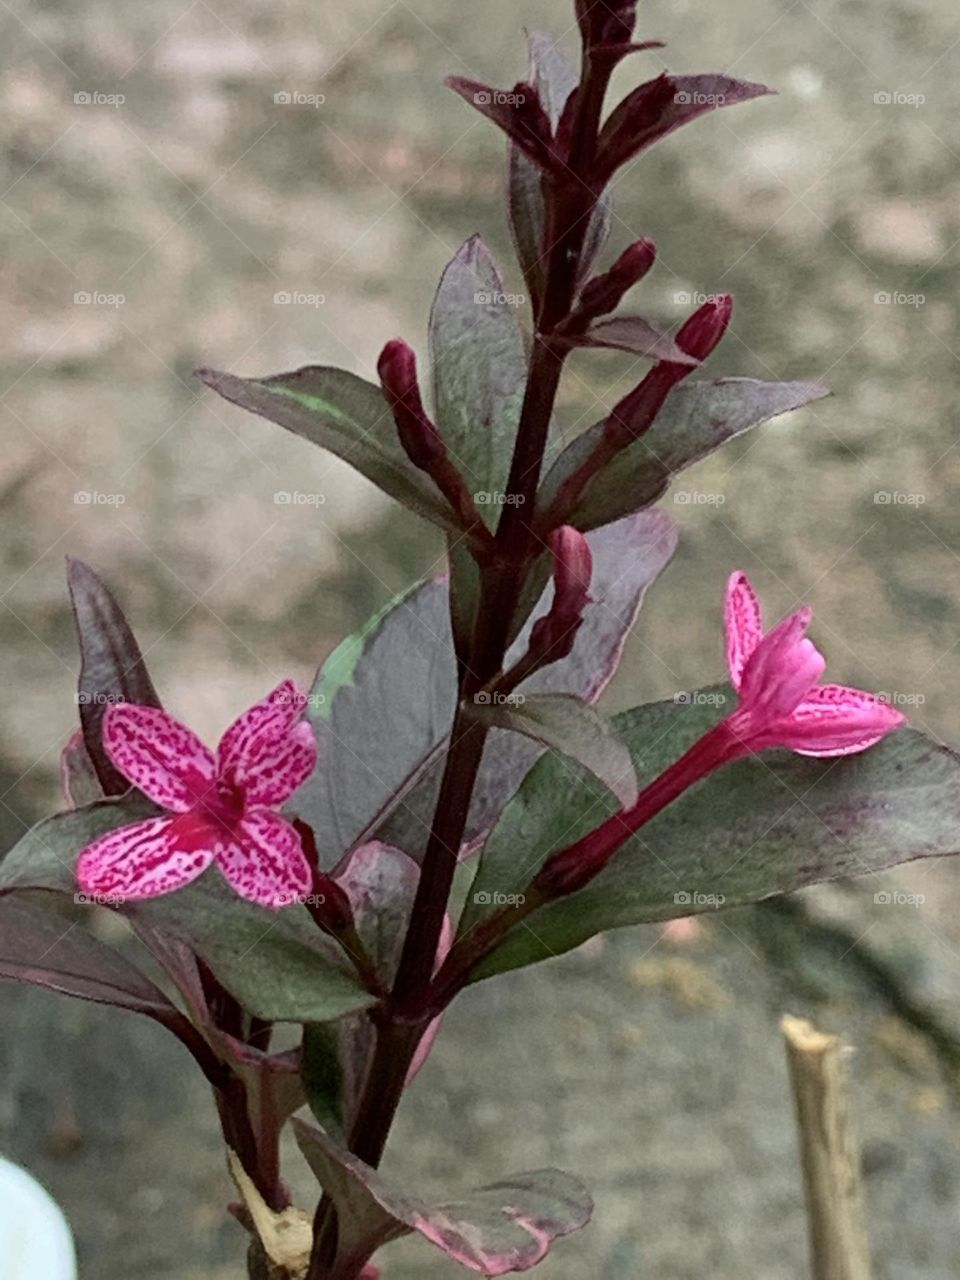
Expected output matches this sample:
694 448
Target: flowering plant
447 803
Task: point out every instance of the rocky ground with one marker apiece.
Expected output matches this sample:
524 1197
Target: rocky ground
831 212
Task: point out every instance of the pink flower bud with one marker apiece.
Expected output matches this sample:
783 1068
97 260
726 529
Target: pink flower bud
397 368
572 570
602 294
702 332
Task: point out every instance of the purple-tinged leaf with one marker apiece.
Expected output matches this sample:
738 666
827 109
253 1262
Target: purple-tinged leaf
633 334
659 106
385 700
276 963
575 729
111 666
44 949
78 778
754 829
381 883
346 415
48 950
479 372
627 557
518 112
505 1227
555 80
696 418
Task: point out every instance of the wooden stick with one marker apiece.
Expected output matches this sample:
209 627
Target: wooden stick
831 1166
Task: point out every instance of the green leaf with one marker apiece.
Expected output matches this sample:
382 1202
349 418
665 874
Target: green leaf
696 418
575 729
321 1071
343 413
112 668
763 826
479 373
384 701
507 1226
277 963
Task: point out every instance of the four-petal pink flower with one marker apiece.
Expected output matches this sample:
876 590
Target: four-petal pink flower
220 808
777 675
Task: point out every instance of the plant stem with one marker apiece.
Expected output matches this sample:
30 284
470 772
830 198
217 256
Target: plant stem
569 207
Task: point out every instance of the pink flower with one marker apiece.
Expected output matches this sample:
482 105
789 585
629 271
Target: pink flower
782 703
219 808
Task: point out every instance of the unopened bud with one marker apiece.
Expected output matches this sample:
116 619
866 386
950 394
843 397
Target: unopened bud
397 368
552 636
702 332
602 294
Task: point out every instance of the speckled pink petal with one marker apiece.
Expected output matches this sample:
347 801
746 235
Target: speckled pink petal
264 752
147 859
268 865
161 756
744 625
783 668
835 720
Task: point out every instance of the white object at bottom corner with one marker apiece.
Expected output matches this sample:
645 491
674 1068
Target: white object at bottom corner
35 1241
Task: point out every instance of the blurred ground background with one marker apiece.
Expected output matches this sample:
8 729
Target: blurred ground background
653 1071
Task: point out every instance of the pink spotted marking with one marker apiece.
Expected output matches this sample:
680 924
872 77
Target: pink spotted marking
219 808
777 674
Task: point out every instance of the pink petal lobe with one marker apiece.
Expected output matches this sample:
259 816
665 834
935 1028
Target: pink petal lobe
267 865
160 756
146 859
743 624
265 753
783 668
835 720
